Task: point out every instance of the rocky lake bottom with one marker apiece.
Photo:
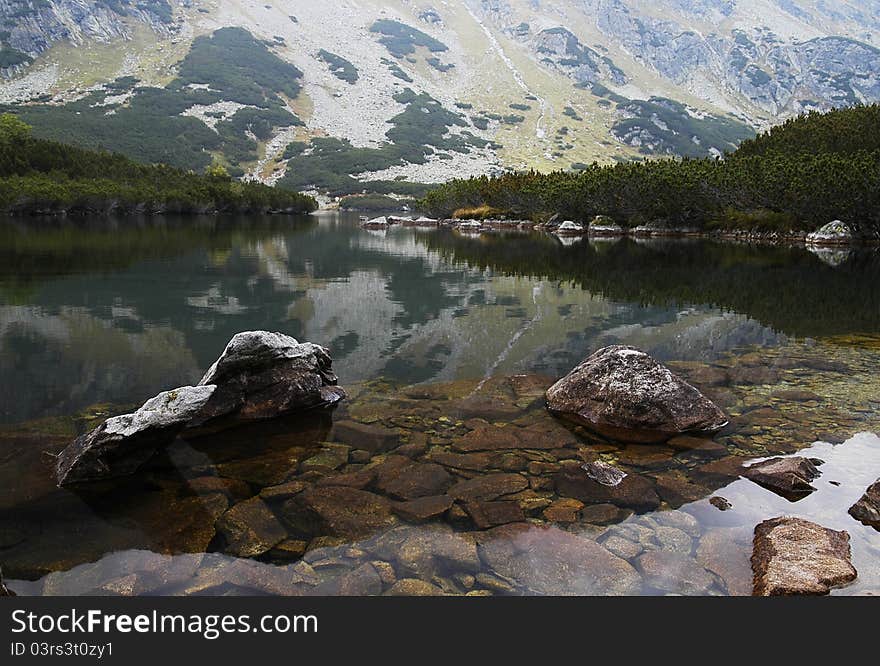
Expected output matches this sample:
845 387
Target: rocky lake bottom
442 472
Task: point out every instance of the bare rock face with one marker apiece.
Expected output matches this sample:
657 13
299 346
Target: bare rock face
788 477
262 375
121 444
794 556
625 395
867 509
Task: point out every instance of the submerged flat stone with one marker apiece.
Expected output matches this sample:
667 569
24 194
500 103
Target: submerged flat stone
623 394
550 561
250 528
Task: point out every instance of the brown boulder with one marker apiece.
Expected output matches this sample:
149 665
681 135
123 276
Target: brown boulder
624 394
867 509
787 477
794 556
413 481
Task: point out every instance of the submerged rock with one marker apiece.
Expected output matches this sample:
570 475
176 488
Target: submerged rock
632 492
867 509
794 556
121 444
602 472
674 572
263 375
251 528
341 511
624 394
554 562
787 477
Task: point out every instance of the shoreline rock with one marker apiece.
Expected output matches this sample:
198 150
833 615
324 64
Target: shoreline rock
867 509
259 376
793 556
122 444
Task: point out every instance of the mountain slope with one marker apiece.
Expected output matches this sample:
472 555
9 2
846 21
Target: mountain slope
394 90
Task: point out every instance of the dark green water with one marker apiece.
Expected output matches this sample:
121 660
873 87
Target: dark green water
97 317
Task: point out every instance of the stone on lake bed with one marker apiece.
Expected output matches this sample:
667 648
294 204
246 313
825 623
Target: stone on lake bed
623 394
413 587
373 438
867 509
602 472
674 572
414 480
488 487
550 561
787 477
633 492
423 508
491 514
793 556
250 528
341 511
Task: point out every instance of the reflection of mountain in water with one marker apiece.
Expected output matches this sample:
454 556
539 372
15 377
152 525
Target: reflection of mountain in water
785 288
115 315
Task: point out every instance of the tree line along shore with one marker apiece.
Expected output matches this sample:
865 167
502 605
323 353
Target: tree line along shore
39 177
795 177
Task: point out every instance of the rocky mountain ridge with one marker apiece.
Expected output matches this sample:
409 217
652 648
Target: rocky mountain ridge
498 83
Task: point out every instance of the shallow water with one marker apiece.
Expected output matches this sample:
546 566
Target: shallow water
429 331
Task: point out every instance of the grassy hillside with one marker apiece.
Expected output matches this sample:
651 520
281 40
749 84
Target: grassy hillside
798 176
39 176
229 67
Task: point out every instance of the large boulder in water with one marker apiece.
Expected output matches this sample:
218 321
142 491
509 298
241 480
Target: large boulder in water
623 394
121 444
260 375
263 375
